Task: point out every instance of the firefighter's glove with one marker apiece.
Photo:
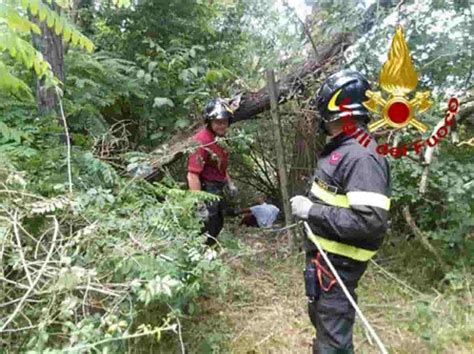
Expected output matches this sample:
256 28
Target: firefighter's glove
230 189
202 211
300 206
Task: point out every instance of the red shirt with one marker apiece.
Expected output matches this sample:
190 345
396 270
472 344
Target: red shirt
209 160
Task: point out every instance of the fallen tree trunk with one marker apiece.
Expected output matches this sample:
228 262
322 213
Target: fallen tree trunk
253 103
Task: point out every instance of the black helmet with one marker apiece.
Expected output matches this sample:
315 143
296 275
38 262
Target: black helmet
218 109
347 87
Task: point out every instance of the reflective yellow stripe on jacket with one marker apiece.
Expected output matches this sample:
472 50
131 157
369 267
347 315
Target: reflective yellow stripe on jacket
351 198
345 201
359 254
339 200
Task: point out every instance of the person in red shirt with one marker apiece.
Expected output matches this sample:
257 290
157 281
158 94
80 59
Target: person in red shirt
207 166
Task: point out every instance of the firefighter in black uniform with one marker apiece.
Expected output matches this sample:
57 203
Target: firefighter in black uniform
346 209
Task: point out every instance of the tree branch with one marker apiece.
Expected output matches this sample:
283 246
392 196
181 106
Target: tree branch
424 240
254 103
38 276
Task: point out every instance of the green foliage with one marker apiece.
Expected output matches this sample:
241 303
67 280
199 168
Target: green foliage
438 40
188 52
10 83
103 255
24 52
100 89
442 56
124 257
16 27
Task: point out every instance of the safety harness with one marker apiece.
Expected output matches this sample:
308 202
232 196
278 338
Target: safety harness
320 270
353 303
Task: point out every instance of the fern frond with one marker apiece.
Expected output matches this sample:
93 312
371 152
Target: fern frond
50 205
60 24
16 22
24 52
10 83
65 4
8 134
99 169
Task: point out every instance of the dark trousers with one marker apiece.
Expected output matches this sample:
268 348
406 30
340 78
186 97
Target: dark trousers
215 222
330 311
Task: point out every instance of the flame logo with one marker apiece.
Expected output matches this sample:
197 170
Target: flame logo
398 77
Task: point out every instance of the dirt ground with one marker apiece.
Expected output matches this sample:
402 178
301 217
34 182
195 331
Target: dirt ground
263 309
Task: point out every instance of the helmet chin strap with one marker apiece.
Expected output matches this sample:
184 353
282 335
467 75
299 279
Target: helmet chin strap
360 121
322 128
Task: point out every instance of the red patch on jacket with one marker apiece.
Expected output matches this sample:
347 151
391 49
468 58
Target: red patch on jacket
335 157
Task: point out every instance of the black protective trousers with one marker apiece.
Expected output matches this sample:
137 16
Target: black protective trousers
330 311
215 222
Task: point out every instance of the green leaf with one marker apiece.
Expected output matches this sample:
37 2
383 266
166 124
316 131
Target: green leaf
194 70
58 27
147 78
152 65
199 47
213 75
189 99
186 75
50 19
42 14
75 38
181 123
88 45
67 33
34 6
162 101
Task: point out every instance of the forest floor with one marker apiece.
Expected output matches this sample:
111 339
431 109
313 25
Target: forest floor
260 307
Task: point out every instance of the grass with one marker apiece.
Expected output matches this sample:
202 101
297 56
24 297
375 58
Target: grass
259 305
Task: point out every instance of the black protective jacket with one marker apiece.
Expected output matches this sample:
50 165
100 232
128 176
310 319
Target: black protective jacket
351 191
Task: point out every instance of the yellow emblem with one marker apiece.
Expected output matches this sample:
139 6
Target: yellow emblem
398 77
332 103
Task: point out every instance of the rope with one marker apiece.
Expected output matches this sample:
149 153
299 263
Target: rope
348 295
282 228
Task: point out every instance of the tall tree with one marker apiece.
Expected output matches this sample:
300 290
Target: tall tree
50 45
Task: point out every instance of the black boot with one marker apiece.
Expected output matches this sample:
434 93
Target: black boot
320 348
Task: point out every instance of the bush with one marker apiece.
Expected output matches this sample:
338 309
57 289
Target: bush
79 270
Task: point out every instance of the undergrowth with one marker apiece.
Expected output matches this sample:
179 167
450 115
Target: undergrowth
264 309
91 270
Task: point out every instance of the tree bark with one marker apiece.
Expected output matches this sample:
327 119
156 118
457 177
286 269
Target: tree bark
272 89
254 103
51 46
466 111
